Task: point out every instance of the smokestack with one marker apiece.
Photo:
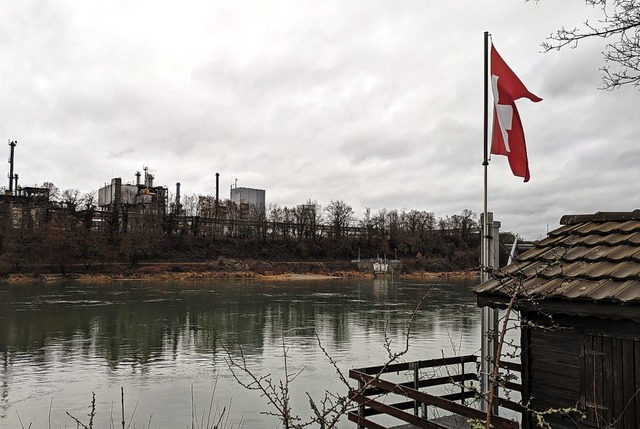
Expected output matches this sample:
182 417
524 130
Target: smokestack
116 185
137 178
178 198
217 189
11 161
15 176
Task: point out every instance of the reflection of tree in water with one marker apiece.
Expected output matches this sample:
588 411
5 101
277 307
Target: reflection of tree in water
132 325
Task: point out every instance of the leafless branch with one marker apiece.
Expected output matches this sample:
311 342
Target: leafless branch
621 22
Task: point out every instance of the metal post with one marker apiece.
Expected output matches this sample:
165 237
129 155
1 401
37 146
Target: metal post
494 257
462 384
361 406
489 321
416 386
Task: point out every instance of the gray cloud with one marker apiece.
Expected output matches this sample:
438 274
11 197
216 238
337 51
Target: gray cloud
375 103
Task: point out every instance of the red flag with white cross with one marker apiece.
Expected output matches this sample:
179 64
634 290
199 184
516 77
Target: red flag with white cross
508 136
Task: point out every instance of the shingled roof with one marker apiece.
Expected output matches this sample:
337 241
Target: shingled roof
590 258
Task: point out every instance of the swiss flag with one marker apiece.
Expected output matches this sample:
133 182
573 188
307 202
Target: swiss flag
508 136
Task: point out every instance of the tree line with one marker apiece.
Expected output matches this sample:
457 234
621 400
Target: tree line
69 230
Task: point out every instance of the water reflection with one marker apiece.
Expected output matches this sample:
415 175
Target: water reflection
70 335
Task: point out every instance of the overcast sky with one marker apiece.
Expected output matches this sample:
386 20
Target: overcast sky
376 103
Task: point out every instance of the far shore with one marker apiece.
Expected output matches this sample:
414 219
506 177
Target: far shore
230 271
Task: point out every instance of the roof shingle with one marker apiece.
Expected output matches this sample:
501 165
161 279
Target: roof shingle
590 257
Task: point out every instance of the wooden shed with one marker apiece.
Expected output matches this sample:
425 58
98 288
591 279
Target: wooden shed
578 295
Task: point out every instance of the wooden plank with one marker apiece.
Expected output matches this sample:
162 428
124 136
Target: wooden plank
550 366
598 375
395 412
622 329
430 382
542 378
430 363
450 379
607 380
583 370
405 405
555 330
558 341
525 356
601 309
543 397
511 366
636 358
511 405
616 381
600 385
513 386
568 355
589 379
628 381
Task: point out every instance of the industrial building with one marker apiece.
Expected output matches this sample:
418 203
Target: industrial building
116 194
16 196
247 196
248 199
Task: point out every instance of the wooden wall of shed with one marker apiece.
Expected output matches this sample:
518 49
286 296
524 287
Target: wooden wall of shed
612 381
551 369
554 368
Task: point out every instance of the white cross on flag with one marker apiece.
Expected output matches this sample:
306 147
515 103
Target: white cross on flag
508 136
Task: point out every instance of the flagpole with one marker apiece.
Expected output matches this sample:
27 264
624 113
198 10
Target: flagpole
489 316
485 219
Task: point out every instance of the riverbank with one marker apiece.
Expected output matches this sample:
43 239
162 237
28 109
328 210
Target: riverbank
222 268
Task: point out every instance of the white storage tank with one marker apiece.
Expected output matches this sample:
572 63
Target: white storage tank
248 196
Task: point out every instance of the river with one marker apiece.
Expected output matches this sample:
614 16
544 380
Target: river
167 345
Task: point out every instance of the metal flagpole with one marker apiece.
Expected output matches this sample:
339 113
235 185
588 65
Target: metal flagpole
485 163
489 320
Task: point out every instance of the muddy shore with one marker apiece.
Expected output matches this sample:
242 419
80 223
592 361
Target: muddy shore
219 269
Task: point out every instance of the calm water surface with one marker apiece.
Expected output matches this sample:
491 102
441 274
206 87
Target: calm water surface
161 342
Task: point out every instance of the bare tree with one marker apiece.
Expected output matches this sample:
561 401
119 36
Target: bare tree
70 199
189 205
339 216
89 200
54 191
620 22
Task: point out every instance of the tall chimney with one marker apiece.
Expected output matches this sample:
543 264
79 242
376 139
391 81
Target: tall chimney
11 161
178 198
15 176
137 178
217 189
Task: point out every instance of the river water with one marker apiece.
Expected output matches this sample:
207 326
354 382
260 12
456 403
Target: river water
167 345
